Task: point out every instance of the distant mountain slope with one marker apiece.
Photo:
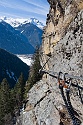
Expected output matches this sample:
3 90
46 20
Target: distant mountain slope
18 21
11 67
36 22
32 33
13 41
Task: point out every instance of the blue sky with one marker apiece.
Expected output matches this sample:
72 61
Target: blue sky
24 9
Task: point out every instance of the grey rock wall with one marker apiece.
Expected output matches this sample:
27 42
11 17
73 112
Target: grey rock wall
45 104
68 52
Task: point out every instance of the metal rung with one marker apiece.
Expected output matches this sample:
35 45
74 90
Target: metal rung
55 75
66 75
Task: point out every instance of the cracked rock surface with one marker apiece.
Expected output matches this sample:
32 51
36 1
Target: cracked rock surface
63 44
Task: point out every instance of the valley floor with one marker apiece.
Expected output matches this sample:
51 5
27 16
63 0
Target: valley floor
26 58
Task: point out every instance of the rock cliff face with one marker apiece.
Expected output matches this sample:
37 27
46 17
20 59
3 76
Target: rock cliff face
63 44
61 14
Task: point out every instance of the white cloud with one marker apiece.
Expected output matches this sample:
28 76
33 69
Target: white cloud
40 3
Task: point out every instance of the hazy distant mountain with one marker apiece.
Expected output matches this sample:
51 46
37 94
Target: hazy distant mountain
13 41
32 33
18 21
11 67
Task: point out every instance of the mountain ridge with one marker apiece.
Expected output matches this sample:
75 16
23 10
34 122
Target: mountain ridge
11 67
13 41
32 33
20 21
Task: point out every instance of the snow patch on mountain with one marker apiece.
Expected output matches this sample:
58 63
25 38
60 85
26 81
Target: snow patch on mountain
22 31
20 21
11 75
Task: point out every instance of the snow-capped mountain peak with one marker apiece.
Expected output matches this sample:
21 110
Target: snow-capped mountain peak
19 21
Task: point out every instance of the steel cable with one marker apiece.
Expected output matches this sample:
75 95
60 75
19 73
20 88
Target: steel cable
68 106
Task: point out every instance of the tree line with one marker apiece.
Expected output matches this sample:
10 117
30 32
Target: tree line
11 100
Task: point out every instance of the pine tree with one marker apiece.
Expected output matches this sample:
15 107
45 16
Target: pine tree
12 100
34 75
19 90
34 71
4 99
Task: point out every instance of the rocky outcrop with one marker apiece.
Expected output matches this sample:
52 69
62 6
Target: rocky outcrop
62 13
63 46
